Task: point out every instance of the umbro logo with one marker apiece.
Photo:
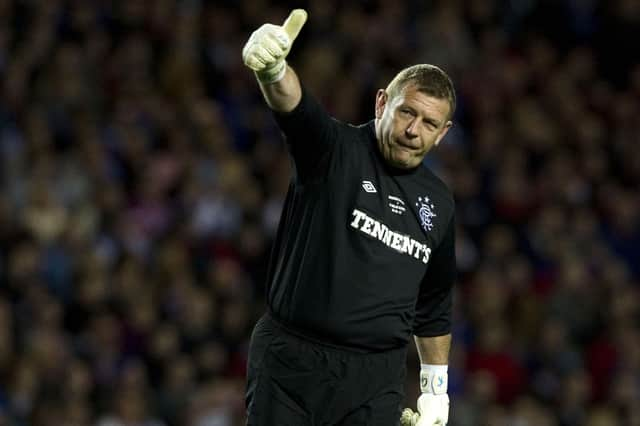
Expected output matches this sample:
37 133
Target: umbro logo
367 185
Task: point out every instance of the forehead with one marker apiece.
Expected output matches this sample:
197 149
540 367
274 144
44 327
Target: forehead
426 104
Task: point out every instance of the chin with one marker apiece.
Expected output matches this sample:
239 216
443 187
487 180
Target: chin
401 158
404 164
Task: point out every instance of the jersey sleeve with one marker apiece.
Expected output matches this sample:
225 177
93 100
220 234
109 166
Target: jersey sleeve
433 307
310 134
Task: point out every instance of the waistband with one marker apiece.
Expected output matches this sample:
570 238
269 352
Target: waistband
310 338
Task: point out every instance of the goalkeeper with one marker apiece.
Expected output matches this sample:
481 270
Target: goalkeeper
364 256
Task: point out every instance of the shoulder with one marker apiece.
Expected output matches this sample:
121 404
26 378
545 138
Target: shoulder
363 133
354 138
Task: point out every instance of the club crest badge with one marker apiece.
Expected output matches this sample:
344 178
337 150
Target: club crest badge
426 212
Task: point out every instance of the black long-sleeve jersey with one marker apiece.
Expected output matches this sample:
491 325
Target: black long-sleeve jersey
364 255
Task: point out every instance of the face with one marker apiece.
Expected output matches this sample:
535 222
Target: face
409 125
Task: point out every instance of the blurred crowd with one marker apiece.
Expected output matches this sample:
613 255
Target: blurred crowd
142 178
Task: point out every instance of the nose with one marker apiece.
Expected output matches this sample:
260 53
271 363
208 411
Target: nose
412 128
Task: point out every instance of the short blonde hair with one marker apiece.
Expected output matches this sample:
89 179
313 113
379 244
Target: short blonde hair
428 79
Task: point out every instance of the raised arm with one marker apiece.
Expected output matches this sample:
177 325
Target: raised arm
283 95
265 54
310 133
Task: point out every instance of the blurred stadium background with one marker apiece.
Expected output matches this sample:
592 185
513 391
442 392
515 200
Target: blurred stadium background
142 178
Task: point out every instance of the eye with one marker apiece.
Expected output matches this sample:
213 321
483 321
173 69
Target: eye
406 112
430 125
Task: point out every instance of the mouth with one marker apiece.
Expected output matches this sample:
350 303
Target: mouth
406 145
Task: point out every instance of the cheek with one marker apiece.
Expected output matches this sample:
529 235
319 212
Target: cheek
424 148
429 140
391 127
398 128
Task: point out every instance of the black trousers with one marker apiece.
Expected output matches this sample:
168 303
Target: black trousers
295 381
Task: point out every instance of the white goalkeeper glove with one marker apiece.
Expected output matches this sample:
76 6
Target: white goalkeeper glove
433 404
269 45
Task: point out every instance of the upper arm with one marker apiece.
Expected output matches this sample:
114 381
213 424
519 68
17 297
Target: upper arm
310 134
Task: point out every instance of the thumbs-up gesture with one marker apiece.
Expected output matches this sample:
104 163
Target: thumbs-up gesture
269 45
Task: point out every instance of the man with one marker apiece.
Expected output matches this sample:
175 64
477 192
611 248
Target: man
364 256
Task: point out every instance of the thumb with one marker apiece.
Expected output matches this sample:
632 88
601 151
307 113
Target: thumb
294 23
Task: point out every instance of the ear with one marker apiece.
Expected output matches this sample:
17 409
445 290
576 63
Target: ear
443 132
381 102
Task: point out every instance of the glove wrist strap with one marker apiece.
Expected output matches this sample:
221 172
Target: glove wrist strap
433 379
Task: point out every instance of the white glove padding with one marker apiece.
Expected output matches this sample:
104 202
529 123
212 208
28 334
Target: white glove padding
433 404
269 45
433 410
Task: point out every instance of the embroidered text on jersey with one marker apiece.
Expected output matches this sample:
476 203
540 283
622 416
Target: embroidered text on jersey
367 185
396 204
399 242
426 212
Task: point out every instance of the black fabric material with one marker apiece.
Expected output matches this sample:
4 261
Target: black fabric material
293 381
354 262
